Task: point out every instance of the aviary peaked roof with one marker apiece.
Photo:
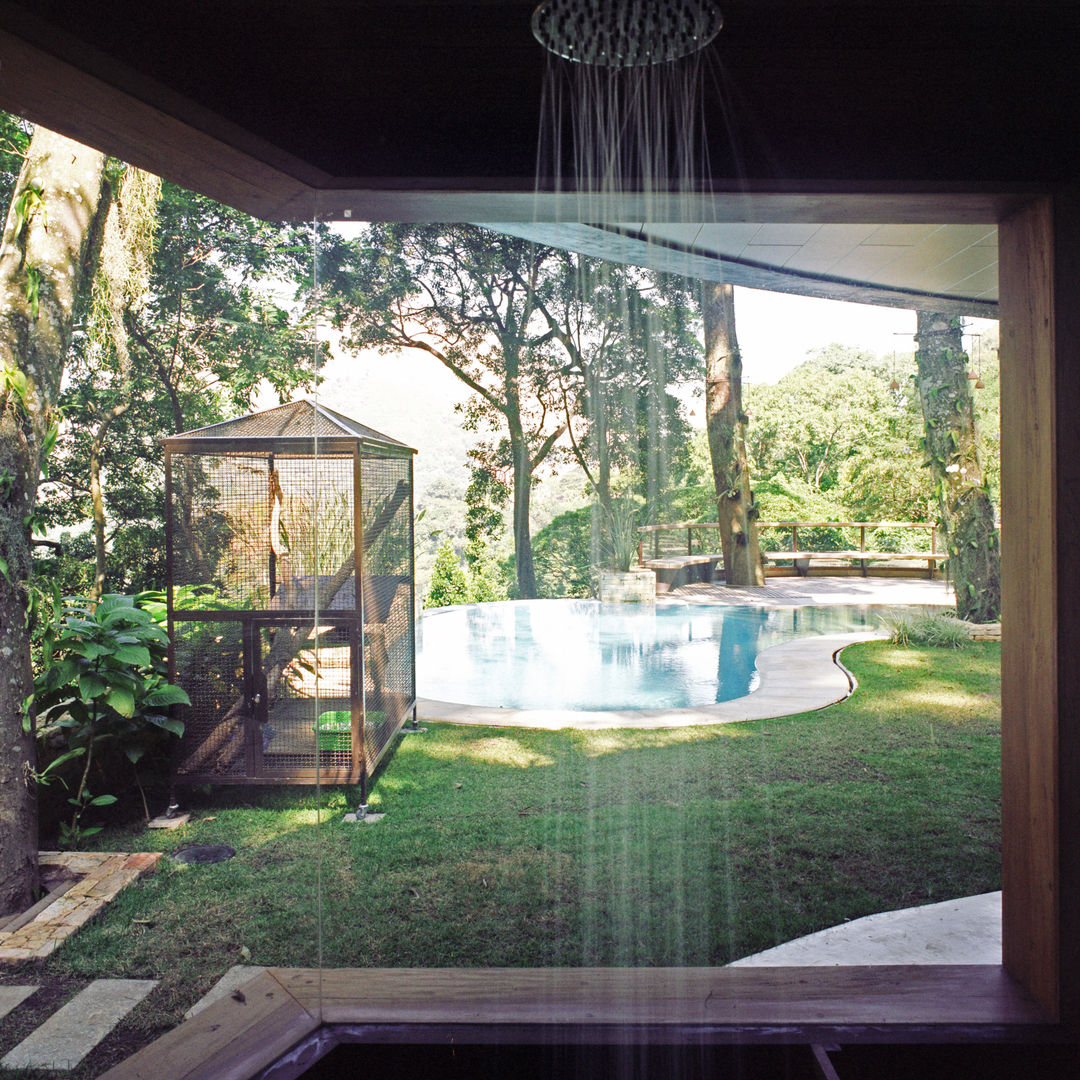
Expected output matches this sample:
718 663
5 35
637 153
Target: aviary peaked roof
301 420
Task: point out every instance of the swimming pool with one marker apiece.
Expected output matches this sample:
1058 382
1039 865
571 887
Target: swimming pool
581 655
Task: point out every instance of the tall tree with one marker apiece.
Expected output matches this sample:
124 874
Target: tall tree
46 263
186 325
551 343
468 297
119 287
952 451
726 425
626 336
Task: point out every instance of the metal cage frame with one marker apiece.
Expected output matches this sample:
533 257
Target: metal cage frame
258 713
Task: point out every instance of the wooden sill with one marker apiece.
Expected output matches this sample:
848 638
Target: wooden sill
280 1008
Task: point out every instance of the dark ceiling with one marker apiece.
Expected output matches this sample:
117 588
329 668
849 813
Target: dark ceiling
444 94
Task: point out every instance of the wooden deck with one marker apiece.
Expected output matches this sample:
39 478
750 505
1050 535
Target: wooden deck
283 1009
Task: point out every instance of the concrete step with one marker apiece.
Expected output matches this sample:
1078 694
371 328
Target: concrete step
11 996
75 1029
232 980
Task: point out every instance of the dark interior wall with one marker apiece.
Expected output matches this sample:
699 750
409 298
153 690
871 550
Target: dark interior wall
846 90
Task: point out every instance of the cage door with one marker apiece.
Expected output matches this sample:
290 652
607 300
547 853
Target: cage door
307 717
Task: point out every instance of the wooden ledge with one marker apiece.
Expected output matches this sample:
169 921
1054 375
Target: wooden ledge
281 1008
233 1039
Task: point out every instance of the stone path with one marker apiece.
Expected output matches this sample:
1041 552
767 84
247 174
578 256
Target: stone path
818 591
104 874
63 1040
74 1030
11 996
232 980
963 931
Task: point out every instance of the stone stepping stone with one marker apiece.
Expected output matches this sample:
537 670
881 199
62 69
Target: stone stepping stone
232 980
73 1031
12 996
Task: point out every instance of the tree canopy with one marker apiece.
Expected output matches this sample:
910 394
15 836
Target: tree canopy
219 316
565 357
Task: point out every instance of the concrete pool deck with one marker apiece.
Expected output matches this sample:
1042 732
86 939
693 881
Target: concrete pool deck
796 676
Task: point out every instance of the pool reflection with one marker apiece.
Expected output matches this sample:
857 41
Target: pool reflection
584 655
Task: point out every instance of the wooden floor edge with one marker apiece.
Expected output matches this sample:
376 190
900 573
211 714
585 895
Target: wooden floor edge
232 1039
835 996
282 1009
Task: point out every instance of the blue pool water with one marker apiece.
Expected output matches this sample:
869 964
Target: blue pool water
581 654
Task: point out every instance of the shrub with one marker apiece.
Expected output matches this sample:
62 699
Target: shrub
565 553
485 577
102 683
448 584
941 629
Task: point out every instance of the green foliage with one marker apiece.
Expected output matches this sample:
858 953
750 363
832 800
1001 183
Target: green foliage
488 493
448 583
102 680
620 542
567 554
14 140
817 415
486 580
938 629
210 329
783 499
690 494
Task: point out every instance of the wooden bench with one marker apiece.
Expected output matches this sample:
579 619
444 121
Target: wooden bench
675 570
801 559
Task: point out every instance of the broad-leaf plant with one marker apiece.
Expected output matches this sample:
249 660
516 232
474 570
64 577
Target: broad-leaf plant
103 678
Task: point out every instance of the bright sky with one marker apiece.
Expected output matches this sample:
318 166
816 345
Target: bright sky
776 330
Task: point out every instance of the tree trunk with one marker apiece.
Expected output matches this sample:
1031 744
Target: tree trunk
45 263
951 443
726 427
97 505
123 276
523 555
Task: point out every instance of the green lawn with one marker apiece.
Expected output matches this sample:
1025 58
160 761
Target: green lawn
502 847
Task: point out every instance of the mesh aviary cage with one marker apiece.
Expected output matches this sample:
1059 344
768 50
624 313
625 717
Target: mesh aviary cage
290 596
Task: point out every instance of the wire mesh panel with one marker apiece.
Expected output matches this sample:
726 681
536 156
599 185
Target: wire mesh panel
293 672
209 665
389 599
219 510
308 716
255 531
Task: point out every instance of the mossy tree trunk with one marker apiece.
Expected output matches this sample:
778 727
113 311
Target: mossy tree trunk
45 264
952 451
726 426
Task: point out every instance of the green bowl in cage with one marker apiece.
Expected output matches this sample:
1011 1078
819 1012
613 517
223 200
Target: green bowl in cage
334 731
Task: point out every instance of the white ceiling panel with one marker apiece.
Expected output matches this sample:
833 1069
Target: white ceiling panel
726 239
900 235
983 284
782 235
827 247
935 267
866 262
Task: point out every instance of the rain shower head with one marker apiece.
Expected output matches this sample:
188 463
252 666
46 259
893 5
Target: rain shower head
625 33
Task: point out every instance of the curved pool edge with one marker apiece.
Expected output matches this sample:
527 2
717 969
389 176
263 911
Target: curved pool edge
795 676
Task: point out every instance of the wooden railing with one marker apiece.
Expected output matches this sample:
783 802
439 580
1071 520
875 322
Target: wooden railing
696 535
